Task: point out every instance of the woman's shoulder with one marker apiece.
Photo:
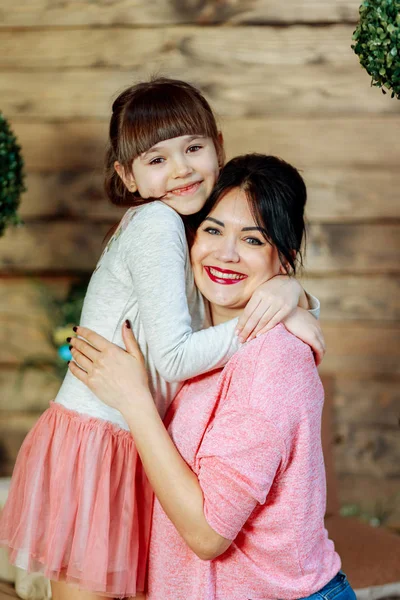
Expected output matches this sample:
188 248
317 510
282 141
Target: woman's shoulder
273 359
279 344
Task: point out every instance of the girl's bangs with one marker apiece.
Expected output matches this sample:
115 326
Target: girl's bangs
162 121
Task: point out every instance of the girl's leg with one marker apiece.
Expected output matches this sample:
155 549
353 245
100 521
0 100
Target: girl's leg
62 591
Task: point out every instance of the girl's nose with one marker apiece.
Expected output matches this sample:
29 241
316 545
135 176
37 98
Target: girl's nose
182 168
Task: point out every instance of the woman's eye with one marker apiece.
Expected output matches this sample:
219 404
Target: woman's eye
194 148
156 161
212 230
253 241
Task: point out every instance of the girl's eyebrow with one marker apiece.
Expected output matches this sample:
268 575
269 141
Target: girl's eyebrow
158 147
221 224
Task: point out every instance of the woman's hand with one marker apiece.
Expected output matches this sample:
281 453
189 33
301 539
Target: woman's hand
116 376
270 304
306 327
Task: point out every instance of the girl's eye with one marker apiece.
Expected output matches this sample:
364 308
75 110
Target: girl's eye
253 241
212 230
194 148
156 161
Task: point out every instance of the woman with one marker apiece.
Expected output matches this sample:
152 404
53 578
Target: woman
238 476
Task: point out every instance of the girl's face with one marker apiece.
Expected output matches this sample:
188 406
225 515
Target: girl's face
180 171
230 256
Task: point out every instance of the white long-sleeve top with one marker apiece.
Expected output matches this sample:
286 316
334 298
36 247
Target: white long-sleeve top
144 275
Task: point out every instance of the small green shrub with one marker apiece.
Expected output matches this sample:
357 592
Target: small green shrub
11 176
377 43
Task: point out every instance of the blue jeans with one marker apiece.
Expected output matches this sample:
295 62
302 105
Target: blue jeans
337 589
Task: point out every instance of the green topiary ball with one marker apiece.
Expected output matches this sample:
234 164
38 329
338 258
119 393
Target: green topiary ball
11 176
377 43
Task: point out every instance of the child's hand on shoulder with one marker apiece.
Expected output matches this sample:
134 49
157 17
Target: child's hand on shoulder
271 303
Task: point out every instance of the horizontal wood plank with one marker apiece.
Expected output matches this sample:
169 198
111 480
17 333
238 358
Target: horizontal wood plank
176 48
331 247
356 298
39 13
252 91
367 403
364 348
333 195
368 451
337 143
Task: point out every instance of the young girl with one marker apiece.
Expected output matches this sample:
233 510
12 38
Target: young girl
79 506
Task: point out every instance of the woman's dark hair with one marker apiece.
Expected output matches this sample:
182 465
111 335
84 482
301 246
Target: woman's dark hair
276 194
147 113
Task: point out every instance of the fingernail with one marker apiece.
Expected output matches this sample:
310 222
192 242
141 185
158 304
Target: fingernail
68 339
75 328
70 347
68 362
237 331
128 325
241 340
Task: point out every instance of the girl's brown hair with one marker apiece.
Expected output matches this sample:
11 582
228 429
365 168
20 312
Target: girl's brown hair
148 113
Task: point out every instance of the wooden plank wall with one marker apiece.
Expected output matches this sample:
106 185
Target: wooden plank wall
283 80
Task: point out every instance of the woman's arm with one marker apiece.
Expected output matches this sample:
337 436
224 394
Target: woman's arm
119 379
239 454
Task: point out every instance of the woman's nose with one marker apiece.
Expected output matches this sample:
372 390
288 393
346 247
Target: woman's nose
227 251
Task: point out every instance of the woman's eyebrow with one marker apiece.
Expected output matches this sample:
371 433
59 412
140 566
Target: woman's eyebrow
220 223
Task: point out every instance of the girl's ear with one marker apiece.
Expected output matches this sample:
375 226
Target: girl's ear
126 176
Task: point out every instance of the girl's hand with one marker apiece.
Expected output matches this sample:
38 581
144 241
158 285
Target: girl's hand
116 376
306 327
269 305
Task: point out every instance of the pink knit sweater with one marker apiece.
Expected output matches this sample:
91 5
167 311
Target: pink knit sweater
252 435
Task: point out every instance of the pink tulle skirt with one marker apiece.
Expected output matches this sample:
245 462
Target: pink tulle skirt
79 507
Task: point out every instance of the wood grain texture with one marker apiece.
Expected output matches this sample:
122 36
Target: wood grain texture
331 247
333 196
39 13
30 391
251 92
367 403
361 348
227 48
368 298
337 143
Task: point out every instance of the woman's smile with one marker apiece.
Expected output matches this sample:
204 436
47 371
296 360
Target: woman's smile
224 276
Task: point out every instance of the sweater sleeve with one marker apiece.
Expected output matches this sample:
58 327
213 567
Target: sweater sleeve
156 255
237 463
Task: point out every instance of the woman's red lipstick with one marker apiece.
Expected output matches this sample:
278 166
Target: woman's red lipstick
224 276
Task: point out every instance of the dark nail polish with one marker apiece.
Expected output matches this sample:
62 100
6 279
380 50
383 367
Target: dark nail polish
70 347
68 339
68 362
127 324
75 328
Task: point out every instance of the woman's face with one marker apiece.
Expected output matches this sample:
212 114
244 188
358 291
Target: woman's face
230 256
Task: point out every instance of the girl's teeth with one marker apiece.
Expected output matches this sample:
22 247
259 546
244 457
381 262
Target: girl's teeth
225 275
